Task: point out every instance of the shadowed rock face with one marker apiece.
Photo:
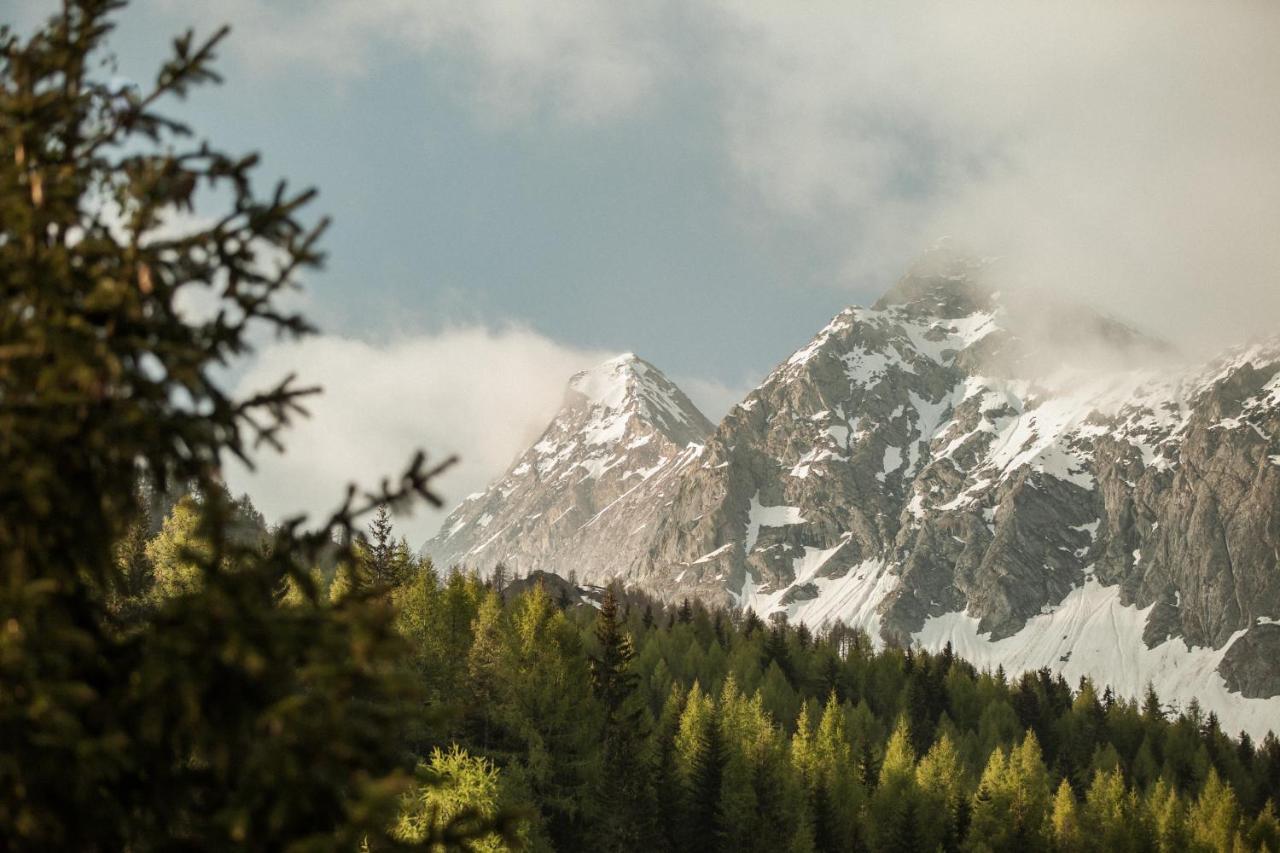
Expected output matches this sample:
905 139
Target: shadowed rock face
917 461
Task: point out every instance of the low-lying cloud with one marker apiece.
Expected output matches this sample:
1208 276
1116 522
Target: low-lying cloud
483 394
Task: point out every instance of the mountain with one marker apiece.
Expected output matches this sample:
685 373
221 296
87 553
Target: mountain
580 499
948 466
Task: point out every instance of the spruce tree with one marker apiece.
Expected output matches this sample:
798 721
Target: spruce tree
221 719
380 547
625 794
705 828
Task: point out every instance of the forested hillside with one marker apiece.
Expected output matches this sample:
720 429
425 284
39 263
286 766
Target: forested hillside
611 722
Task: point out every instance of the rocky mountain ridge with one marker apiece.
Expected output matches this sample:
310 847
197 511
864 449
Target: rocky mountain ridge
915 470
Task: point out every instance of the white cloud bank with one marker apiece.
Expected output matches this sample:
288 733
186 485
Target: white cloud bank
482 394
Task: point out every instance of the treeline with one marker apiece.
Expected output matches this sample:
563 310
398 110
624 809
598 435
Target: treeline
609 721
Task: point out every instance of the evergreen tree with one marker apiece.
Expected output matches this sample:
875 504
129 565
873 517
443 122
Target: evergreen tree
487 664
134 575
1012 808
685 614
1265 832
706 829
626 799
1111 816
462 795
1166 816
220 719
381 545
701 758
178 552
668 779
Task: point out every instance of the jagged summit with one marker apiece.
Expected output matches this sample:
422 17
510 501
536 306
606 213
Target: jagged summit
621 435
627 385
607 383
943 283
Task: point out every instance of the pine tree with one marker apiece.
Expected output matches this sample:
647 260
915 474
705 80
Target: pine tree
1265 832
1166 815
701 758
134 574
705 829
1012 809
668 779
178 552
465 790
1152 710
775 650
486 664
1111 815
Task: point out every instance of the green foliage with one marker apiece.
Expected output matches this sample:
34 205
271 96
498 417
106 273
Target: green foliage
178 552
458 800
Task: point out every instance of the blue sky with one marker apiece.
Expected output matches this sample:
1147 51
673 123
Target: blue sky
519 190
618 235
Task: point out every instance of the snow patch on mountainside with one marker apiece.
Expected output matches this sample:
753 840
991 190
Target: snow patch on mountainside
852 598
760 515
1092 634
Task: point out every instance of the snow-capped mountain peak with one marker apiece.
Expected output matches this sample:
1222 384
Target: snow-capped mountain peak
623 430
625 386
942 466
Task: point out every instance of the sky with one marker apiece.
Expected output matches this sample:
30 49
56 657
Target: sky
520 190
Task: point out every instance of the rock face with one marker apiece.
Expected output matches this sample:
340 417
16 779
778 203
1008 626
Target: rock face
581 498
917 470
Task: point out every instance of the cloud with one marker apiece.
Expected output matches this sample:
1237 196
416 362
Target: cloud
573 59
483 394
1120 152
